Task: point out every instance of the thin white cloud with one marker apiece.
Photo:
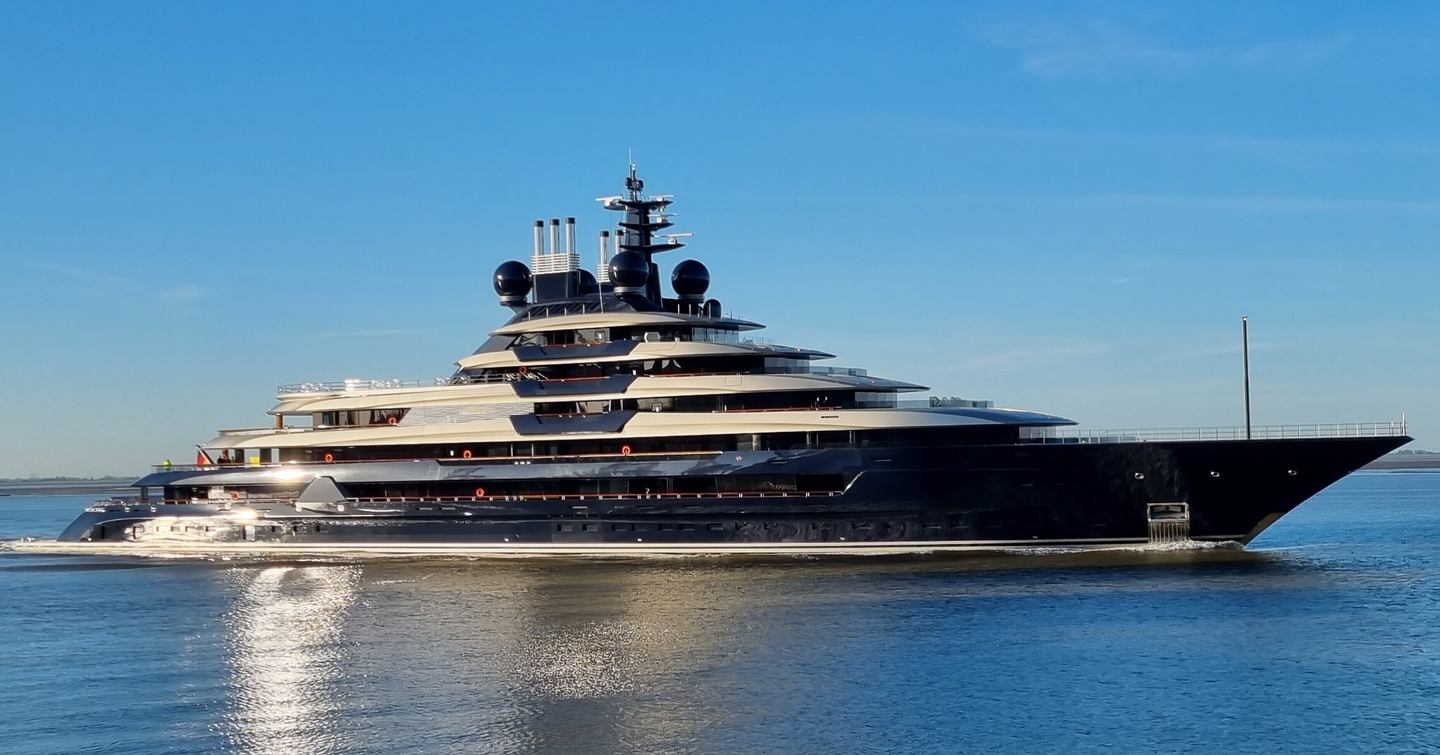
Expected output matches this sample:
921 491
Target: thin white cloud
377 333
93 278
1021 357
1102 48
183 292
1262 203
1214 351
1267 203
1232 143
82 275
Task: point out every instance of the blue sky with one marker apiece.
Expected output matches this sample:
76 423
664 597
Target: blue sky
1059 206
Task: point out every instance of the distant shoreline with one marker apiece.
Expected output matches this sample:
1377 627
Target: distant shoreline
65 486
1415 462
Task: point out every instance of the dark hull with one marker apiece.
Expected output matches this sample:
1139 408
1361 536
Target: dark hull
1090 494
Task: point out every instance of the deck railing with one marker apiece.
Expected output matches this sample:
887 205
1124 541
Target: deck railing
480 460
359 384
1391 429
134 502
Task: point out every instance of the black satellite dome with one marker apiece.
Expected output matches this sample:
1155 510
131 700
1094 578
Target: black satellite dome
512 282
588 284
690 279
628 272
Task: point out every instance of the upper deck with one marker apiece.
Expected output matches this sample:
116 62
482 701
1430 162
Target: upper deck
588 314
612 357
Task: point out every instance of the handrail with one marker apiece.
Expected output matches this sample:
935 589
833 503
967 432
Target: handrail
1390 429
602 496
362 384
267 429
782 409
455 459
242 500
368 384
358 384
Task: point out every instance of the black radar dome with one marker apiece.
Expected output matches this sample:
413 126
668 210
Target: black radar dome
690 279
588 284
629 271
512 282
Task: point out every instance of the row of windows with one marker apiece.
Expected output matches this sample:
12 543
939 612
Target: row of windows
633 527
952 525
695 485
909 437
744 402
593 336
741 364
638 486
274 529
359 417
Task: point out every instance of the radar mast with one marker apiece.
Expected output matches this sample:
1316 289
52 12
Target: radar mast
644 218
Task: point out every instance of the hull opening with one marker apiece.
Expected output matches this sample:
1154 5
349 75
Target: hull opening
1168 522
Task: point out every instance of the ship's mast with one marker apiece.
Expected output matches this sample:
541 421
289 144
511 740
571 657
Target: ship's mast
644 217
630 275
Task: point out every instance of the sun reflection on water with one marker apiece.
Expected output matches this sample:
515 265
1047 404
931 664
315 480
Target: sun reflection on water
285 657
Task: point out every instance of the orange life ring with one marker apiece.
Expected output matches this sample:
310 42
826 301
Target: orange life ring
466 453
392 420
479 492
625 450
522 369
329 457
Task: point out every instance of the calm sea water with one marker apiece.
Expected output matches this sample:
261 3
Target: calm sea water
1324 636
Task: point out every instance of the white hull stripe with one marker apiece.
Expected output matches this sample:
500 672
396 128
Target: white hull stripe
577 549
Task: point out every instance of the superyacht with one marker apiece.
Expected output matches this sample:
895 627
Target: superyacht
609 416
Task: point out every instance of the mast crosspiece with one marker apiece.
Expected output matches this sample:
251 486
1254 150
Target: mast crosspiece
644 218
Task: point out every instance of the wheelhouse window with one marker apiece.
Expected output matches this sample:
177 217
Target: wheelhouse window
358 417
715 335
387 416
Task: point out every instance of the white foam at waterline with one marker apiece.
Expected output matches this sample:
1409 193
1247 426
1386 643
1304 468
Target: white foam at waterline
1182 545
